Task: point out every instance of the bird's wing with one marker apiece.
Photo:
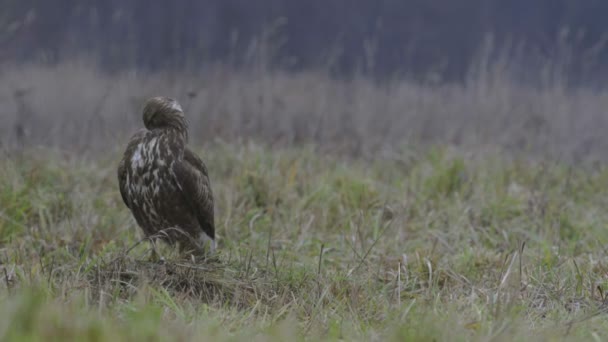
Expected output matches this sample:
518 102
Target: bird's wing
136 139
193 180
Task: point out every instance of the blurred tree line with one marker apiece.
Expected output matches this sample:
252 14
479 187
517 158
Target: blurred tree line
379 37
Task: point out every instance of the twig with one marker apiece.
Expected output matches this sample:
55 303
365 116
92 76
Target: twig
134 245
595 313
320 259
162 233
6 279
274 264
268 246
50 272
370 248
248 263
192 267
352 247
399 285
521 255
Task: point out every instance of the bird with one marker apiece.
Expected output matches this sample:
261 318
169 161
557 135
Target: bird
164 184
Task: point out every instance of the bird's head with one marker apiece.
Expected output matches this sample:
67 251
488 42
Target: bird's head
164 112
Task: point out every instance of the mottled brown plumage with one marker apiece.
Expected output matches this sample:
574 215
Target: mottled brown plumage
163 183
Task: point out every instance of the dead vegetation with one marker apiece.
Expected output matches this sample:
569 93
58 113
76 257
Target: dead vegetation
357 115
207 282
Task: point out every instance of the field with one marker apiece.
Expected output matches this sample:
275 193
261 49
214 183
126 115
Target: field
320 238
433 245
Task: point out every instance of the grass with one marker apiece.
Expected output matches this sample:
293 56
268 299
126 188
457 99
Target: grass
421 245
356 116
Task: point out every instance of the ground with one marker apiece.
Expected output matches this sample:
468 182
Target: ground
433 244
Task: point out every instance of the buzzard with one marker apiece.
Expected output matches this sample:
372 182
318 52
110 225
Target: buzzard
164 184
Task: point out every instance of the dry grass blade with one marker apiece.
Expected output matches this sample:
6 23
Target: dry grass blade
206 282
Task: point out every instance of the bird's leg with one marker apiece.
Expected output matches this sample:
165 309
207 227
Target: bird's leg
154 255
205 244
197 251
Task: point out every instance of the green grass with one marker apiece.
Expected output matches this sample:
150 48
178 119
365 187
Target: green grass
434 245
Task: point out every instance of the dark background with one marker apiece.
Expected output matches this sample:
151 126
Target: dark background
378 37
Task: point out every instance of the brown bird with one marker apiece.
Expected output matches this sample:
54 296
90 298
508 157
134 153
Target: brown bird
164 184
